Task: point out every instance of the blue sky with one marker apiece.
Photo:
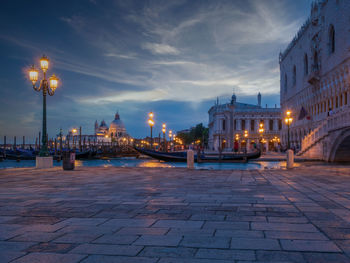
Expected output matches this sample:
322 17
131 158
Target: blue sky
170 57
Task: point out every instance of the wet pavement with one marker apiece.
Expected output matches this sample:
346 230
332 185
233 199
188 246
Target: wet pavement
175 215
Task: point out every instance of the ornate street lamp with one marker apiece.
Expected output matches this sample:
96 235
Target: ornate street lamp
164 139
261 131
47 87
288 120
151 124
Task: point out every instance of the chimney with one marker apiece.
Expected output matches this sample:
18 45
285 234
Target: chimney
275 106
266 106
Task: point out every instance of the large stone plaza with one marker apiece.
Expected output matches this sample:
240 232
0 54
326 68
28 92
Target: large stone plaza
175 215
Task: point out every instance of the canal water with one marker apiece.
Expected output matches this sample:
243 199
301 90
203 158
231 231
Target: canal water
134 162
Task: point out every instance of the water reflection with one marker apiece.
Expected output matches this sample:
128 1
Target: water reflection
150 163
155 164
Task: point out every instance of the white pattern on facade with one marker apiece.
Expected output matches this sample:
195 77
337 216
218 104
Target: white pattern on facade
315 76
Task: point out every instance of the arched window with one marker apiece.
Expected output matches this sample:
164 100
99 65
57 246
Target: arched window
306 65
294 75
331 41
285 83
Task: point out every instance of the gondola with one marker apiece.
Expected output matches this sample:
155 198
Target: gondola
182 156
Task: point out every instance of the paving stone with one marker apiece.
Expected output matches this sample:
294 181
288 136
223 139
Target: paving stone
118 259
143 231
226 225
177 252
255 243
308 245
326 258
118 223
246 218
83 221
284 227
152 240
184 260
98 249
7 246
225 254
116 239
9 256
208 217
51 247
191 231
295 235
239 233
49 257
205 242
179 223
36 237
294 220
77 238
280 256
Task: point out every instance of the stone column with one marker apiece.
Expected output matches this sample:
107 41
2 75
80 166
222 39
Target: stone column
257 123
247 124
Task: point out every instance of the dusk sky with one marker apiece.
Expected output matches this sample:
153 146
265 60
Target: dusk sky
170 57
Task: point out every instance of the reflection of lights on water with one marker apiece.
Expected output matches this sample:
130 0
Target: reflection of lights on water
153 164
78 163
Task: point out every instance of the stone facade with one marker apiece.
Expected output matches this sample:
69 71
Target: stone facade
315 71
229 121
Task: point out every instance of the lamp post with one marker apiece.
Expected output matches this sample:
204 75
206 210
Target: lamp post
164 139
151 124
48 87
288 120
170 136
246 139
261 131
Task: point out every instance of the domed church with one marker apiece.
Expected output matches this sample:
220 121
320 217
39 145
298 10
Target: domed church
116 129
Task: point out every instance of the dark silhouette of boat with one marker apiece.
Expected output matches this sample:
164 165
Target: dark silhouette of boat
182 156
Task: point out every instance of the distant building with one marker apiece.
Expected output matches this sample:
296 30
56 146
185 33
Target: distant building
315 83
229 121
116 132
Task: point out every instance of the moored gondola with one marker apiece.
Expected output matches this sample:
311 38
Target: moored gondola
182 156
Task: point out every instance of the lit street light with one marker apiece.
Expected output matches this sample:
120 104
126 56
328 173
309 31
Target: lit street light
288 120
151 124
164 139
261 131
47 86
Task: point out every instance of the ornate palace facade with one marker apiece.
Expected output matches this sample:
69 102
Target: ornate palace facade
315 80
228 123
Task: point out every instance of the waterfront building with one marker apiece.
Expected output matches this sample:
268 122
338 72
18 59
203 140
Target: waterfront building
229 122
116 133
315 83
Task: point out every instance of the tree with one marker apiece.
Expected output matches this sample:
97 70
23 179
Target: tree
199 133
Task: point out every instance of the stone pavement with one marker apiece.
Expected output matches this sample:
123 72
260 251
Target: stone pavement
175 215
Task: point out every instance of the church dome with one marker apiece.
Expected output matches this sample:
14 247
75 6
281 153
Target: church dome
117 123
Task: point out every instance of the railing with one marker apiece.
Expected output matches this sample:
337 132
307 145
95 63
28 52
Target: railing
338 120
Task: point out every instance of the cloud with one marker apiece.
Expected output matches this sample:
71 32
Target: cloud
162 49
124 56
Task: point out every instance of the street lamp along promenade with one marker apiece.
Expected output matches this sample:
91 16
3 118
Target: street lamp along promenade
261 131
288 120
151 124
164 139
47 87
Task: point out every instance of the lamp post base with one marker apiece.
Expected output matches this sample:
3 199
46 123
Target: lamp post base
44 162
